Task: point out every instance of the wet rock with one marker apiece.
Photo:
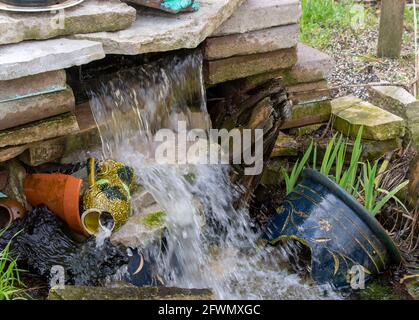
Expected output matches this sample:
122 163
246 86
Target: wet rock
272 175
141 230
14 188
261 14
44 241
309 113
378 124
89 16
223 70
250 43
373 150
285 145
8 153
33 57
30 109
412 120
156 32
31 85
39 130
129 293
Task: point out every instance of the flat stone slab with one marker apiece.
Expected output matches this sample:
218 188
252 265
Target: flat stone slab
309 92
378 124
391 98
312 65
14 113
261 14
261 41
159 32
32 85
308 113
218 71
33 57
40 130
128 293
8 153
89 16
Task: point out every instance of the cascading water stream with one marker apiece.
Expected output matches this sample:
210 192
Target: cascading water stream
209 244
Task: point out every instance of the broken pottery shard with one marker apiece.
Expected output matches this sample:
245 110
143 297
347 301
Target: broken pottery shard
40 130
261 14
218 71
89 16
159 32
32 85
171 6
253 42
308 113
128 293
33 57
378 124
22 111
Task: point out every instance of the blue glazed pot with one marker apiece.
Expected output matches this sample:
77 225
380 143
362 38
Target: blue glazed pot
339 231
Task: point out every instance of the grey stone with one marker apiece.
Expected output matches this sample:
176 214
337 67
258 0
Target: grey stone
308 92
40 130
22 111
378 124
261 41
90 16
394 99
261 14
157 32
8 153
309 113
218 71
128 293
312 65
33 57
32 85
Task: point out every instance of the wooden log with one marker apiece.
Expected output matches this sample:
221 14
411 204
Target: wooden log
391 28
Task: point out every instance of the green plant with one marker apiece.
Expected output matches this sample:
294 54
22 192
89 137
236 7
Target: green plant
292 178
372 192
10 283
363 185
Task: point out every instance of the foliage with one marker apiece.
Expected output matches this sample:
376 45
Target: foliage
10 282
363 184
320 18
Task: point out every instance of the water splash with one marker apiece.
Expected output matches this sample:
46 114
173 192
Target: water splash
209 244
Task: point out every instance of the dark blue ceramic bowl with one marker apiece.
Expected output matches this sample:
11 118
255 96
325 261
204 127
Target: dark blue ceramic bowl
339 231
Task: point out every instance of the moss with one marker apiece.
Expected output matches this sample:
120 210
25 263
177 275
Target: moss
154 219
378 291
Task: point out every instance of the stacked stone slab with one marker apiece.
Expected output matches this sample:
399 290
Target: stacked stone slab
36 104
260 42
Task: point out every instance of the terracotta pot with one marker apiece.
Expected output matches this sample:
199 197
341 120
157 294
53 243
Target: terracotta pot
10 210
60 193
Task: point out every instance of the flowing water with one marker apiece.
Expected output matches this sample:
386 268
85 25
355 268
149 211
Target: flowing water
209 244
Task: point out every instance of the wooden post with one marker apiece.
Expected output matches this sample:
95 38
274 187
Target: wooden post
391 28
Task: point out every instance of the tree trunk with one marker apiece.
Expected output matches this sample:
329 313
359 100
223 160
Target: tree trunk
391 28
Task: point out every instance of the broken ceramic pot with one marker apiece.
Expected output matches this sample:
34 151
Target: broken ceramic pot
111 184
345 240
10 210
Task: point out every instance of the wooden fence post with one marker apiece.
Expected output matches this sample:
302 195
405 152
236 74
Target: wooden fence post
391 28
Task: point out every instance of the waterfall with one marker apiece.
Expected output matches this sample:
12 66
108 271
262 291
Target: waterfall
209 243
